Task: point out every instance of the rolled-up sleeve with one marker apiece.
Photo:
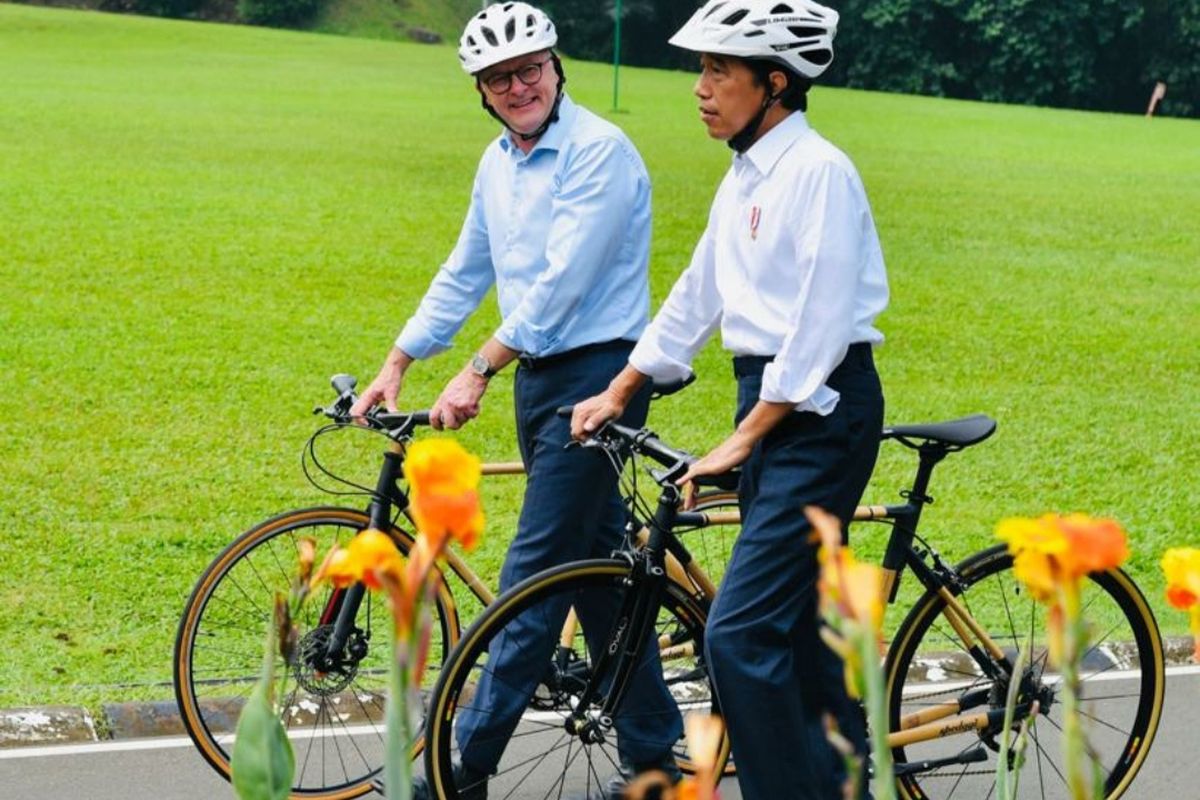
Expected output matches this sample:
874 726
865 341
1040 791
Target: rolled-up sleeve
457 290
595 198
688 317
829 254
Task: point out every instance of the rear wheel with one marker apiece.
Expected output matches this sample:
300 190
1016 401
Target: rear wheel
334 717
1121 683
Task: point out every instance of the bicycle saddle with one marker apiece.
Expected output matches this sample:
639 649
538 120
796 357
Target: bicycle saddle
955 433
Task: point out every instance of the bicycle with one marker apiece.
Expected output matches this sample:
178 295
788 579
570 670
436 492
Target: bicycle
964 627
333 692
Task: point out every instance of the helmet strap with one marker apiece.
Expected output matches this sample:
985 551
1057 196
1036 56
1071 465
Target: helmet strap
551 118
740 142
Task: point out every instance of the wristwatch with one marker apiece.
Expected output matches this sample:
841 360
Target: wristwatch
481 366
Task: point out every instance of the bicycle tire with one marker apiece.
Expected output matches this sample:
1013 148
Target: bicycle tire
335 721
585 765
1127 653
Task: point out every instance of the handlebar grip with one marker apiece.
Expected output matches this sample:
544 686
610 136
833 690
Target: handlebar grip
420 418
343 383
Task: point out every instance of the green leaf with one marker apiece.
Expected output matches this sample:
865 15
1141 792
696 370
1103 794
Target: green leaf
263 762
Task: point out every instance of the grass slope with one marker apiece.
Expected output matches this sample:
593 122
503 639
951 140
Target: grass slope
392 19
200 223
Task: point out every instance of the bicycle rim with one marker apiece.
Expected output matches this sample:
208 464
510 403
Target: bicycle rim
1121 683
541 755
335 721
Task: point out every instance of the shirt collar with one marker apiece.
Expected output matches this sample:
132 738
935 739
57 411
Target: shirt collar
553 138
767 151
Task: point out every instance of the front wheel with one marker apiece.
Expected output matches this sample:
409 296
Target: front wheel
510 700
1121 686
334 717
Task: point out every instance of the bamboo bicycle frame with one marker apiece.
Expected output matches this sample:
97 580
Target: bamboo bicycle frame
935 722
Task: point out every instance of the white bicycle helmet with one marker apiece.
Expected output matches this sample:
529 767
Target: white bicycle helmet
795 33
503 31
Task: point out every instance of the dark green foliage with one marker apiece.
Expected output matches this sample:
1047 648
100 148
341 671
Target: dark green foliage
278 13
1095 54
585 30
180 9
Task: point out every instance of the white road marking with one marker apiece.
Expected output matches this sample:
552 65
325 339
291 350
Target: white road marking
167 742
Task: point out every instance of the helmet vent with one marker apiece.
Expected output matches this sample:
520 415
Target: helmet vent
752 34
714 9
510 29
818 57
806 33
735 17
783 8
491 37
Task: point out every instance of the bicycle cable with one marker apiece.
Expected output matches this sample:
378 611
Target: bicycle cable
310 453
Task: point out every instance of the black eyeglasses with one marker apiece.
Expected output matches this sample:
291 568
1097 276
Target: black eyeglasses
529 74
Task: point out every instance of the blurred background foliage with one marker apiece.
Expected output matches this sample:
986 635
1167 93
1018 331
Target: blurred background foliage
1103 55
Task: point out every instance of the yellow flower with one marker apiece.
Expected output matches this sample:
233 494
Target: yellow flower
443 480
851 587
370 556
1181 565
1054 552
1037 571
1039 535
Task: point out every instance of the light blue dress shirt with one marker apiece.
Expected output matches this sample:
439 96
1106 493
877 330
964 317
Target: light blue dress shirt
563 232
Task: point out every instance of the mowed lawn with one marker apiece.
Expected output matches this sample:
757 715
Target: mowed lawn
200 223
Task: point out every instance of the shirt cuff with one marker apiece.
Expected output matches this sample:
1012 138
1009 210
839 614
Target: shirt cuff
419 343
820 400
649 359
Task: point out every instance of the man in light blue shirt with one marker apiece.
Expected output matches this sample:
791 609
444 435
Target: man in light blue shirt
559 220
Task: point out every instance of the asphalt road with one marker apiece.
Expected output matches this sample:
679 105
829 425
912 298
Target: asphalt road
169 769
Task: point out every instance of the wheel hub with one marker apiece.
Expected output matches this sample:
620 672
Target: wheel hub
320 673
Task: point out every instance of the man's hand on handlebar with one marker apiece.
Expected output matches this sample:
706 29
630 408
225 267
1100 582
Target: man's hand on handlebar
386 386
459 401
591 414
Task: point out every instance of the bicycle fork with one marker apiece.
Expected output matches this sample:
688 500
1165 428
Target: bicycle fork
621 652
342 609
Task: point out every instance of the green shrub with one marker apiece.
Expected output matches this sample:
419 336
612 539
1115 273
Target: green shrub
276 13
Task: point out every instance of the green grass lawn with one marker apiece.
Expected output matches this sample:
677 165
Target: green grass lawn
200 223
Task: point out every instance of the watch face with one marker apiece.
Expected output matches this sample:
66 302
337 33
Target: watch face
481 366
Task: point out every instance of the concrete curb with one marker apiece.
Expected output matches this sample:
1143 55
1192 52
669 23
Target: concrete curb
46 725
23 727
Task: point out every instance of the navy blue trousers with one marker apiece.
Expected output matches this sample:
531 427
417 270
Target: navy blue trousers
572 510
774 676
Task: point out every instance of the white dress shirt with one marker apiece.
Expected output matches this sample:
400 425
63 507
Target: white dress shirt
789 266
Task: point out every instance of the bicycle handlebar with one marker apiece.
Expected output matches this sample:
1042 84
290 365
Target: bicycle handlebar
645 442
395 424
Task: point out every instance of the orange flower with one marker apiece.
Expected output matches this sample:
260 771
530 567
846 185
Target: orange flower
1093 545
369 557
853 587
1181 565
443 480
1053 551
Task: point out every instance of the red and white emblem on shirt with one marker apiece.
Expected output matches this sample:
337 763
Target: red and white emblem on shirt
755 218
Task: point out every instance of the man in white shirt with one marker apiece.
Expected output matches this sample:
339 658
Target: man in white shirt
791 271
